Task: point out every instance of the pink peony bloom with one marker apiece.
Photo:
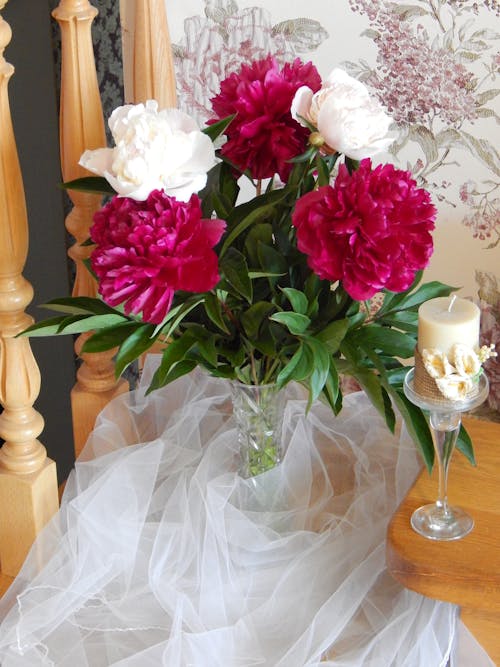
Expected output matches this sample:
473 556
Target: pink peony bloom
146 250
264 137
370 230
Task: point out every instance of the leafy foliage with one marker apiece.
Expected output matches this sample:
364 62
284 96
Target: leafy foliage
270 318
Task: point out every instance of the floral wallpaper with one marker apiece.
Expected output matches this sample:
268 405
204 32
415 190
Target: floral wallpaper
434 64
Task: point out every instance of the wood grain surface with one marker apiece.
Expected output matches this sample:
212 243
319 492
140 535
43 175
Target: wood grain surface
466 571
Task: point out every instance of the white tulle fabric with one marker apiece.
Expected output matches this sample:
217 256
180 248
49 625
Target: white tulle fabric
162 555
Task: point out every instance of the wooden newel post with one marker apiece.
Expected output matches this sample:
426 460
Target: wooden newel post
81 127
28 480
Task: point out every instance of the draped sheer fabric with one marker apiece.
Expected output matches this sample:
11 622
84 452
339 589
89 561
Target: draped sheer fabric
162 555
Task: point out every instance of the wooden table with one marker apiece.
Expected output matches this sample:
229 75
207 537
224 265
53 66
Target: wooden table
466 571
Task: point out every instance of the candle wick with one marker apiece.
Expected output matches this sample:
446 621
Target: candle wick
452 301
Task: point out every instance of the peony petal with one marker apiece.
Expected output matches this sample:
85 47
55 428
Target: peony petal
97 161
301 104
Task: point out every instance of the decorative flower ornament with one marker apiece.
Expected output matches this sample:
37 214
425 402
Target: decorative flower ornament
455 387
457 372
436 363
153 150
347 118
465 360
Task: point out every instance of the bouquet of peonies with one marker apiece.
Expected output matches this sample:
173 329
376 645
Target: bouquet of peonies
268 288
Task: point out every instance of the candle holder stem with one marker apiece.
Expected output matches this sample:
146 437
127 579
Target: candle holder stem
445 427
438 520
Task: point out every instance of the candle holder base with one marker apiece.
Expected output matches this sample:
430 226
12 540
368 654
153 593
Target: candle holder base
436 523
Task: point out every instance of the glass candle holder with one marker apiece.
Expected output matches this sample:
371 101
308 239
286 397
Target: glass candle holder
439 520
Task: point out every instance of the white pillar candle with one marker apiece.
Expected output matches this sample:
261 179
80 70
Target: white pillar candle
444 321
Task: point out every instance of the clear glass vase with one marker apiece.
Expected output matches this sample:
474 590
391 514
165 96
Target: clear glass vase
258 411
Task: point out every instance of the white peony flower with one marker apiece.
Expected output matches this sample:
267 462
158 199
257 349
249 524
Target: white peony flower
436 363
346 117
154 150
465 360
455 387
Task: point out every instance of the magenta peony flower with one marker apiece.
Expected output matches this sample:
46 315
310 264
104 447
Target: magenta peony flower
370 230
264 137
146 250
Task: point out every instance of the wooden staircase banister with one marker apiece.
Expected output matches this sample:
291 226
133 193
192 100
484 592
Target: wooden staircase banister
28 480
82 127
148 64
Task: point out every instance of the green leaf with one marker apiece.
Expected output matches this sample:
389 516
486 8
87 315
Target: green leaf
133 346
253 318
333 334
331 390
250 213
84 323
214 311
391 298
259 233
427 291
287 372
351 164
391 342
179 369
301 366
271 259
221 205
88 265
79 305
397 375
216 129
234 355
323 171
416 425
185 309
406 320
321 369
369 380
235 270
207 349
464 445
91 184
294 322
47 327
107 339
297 299
174 352
304 157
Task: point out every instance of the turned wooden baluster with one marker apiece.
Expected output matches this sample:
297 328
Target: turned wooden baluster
81 126
148 64
28 480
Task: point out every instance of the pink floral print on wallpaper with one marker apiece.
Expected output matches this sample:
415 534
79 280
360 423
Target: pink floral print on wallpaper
433 66
436 72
